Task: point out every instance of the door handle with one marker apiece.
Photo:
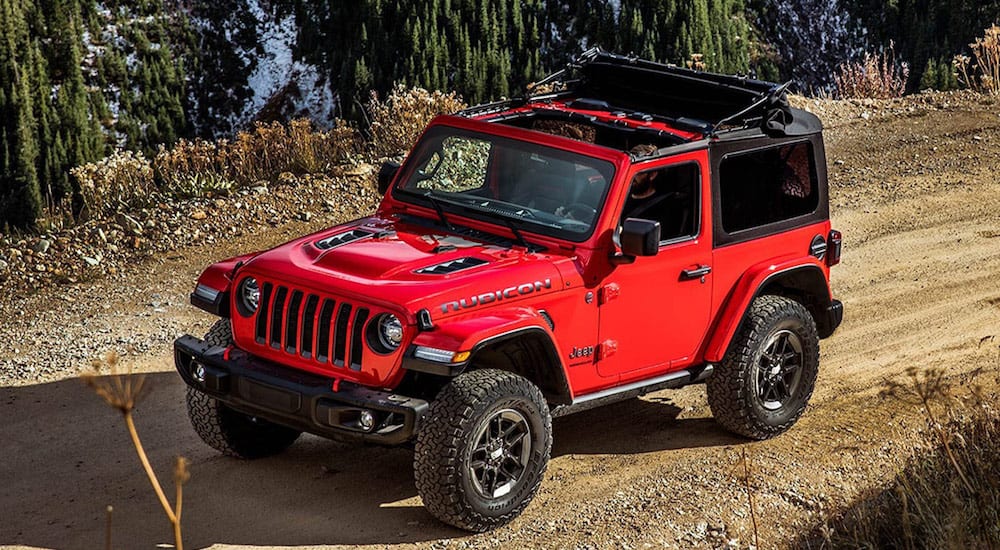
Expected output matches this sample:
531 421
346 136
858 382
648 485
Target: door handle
696 273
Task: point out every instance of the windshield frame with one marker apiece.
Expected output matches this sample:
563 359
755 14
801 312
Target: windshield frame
606 167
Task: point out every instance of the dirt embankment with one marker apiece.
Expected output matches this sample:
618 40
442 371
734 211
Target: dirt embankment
915 191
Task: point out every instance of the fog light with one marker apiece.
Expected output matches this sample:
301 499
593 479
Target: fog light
198 372
366 420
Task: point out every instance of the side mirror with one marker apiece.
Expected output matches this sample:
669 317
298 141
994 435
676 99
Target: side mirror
386 174
640 237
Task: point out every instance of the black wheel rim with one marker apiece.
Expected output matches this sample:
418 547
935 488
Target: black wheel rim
501 453
779 370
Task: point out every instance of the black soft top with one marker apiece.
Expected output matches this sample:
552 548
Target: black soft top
716 105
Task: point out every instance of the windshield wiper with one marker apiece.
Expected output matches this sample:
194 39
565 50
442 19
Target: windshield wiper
429 195
509 222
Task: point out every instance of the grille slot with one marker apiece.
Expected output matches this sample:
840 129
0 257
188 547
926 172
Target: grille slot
310 326
340 334
261 324
357 333
277 313
292 322
452 266
323 345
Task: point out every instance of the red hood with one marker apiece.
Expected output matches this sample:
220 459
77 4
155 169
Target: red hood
403 266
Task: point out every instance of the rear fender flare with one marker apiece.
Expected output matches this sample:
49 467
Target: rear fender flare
808 275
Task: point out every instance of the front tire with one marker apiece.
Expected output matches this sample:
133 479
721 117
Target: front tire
483 449
228 431
764 382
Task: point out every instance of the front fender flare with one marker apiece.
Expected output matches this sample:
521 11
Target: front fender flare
211 292
477 333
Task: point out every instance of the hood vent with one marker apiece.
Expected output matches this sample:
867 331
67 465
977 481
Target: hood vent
342 239
451 266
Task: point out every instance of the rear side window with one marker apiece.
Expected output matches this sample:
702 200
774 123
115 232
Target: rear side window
767 186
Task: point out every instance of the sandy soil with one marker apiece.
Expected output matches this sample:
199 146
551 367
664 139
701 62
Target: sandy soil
915 191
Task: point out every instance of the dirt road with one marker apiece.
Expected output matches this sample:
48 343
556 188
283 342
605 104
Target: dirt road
915 191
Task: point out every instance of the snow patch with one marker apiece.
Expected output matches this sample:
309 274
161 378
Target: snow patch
276 68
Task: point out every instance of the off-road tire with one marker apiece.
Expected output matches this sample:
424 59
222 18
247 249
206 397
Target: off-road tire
448 438
731 388
228 431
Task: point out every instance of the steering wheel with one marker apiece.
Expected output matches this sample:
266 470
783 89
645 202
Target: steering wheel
580 212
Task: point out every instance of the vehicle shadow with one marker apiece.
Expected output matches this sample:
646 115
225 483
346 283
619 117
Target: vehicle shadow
67 456
635 426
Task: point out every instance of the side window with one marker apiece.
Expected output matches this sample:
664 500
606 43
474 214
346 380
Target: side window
767 186
669 195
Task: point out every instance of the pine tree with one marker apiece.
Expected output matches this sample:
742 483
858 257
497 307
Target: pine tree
23 199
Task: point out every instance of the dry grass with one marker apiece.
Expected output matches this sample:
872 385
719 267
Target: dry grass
396 122
949 494
982 73
122 181
267 153
876 76
203 167
122 391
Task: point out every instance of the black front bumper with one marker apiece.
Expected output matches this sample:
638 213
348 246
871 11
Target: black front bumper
295 398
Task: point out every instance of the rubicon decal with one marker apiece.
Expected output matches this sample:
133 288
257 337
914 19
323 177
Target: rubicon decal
496 296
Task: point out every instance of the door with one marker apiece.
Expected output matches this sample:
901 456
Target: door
654 313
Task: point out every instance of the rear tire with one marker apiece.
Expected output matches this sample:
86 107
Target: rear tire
228 431
483 448
764 382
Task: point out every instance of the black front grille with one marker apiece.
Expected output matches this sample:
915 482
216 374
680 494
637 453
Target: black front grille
310 326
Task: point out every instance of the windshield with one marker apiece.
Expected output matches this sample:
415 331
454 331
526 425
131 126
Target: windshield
514 183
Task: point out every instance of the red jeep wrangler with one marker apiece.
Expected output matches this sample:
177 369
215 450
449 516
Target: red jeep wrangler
641 227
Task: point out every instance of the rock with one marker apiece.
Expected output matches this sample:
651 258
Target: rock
4 266
362 169
40 268
305 216
259 189
91 261
42 246
198 215
130 224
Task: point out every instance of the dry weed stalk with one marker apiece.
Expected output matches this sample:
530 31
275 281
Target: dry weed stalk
122 392
927 387
876 76
948 494
746 486
107 528
984 74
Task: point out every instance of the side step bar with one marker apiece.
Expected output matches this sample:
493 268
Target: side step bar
670 380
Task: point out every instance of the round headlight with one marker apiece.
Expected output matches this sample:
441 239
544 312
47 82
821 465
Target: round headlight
249 295
390 331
